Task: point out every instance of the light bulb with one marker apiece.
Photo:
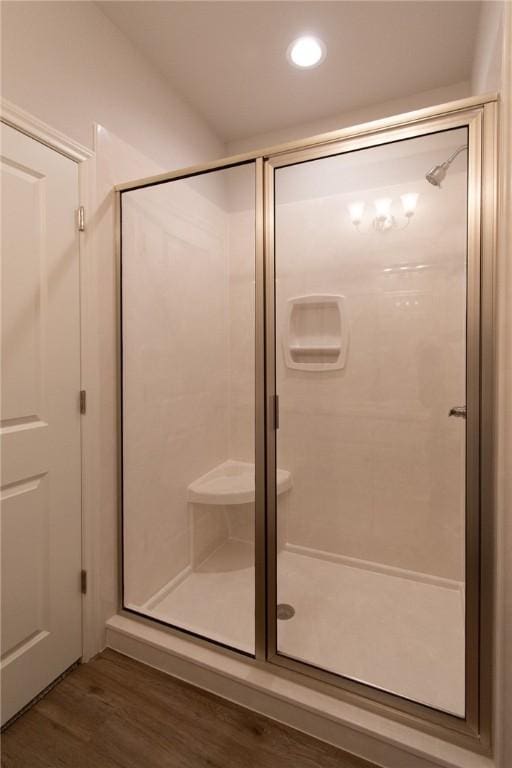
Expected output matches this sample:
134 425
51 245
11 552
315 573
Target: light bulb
306 52
383 208
356 212
409 202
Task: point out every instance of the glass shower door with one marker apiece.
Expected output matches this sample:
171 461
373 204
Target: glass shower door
371 274
188 464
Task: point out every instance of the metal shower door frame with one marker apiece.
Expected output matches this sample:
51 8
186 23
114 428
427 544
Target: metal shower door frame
478 114
475 726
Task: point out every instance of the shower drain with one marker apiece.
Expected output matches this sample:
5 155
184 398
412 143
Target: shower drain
285 611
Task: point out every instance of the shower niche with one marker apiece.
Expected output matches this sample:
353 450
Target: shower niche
316 334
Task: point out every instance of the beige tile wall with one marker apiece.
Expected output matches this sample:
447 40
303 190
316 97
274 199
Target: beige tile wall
188 272
377 465
175 277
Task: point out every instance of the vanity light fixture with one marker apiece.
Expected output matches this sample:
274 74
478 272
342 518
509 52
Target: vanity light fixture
409 203
384 220
306 52
356 211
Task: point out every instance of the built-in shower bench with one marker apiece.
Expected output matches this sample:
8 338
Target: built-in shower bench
232 482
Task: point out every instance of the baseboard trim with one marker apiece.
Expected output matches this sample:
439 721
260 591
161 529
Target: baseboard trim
386 743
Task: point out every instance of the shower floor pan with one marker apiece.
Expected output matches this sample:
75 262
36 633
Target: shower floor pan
401 634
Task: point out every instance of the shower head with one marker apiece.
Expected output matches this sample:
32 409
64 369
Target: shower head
436 174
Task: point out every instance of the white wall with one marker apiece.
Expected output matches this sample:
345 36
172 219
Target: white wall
115 161
66 63
345 119
487 61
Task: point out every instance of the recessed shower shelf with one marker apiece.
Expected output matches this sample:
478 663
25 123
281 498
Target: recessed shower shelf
299 349
232 482
315 337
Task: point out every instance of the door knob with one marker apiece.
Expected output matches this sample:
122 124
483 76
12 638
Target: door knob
459 411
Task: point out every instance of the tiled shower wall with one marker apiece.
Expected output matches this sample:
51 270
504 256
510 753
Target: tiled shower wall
188 327
241 334
377 465
176 364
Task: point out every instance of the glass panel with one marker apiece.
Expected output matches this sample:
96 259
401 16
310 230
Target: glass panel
188 253
371 358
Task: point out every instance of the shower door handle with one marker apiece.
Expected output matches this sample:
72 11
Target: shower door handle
459 411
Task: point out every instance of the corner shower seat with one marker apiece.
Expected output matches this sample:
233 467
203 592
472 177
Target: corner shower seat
232 482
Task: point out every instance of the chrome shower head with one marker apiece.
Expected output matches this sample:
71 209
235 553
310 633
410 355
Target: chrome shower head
436 174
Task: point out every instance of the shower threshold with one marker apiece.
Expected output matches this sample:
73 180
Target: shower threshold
404 635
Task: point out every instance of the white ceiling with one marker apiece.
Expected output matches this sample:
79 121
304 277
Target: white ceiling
228 59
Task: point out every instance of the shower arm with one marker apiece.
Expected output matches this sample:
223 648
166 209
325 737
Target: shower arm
454 155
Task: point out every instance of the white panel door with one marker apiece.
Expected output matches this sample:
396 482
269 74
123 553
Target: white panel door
40 420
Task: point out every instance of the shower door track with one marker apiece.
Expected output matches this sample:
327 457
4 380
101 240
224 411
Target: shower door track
479 116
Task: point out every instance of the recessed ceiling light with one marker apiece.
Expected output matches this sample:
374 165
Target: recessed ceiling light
306 52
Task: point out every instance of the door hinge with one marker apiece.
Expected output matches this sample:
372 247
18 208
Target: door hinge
80 215
276 411
83 401
83 582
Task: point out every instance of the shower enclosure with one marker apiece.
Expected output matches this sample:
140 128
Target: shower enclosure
305 409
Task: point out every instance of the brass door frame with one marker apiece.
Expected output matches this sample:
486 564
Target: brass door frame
476 724
479 115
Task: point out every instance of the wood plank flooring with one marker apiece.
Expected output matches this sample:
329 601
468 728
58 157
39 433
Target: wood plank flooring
116 713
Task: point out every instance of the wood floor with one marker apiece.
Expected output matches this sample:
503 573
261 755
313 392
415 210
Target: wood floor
117 713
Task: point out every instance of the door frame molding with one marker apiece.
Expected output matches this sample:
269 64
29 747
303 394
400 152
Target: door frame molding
32 126
26 123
